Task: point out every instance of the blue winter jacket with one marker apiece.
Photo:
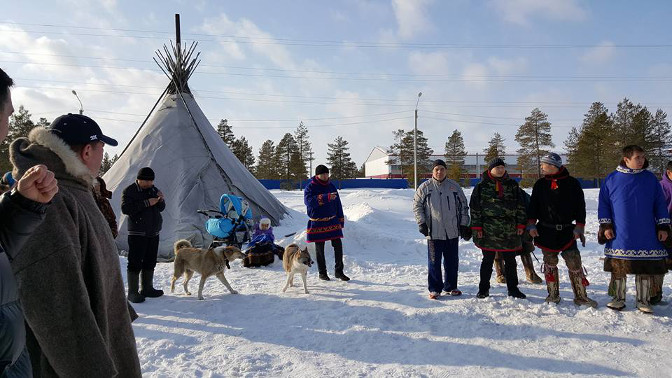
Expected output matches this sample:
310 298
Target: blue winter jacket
632 202
325 217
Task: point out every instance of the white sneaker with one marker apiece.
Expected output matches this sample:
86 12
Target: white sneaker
434 295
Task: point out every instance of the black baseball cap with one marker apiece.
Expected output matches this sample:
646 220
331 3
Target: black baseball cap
75 129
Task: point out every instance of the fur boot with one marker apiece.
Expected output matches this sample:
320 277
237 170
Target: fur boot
656 289
133 285
531 275
499 269
617 291
643 286
552 284
579 283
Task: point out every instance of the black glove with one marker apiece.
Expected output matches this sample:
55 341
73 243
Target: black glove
423 229
465 232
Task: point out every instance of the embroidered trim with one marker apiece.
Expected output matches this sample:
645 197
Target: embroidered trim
321 230
605 220
635 254
322 219
627 170
320 199
663 221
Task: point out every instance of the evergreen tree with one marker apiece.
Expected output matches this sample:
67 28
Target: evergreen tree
43 122
305 151
288 161
243 152
403 150
591 148
226 133
20 125
659 142
534 138
338 158
107 163
495 148
266 168
623 120
454 154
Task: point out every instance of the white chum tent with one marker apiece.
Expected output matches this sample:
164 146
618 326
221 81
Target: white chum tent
193 167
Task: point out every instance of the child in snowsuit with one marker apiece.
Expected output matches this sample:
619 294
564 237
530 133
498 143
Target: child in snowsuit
261 248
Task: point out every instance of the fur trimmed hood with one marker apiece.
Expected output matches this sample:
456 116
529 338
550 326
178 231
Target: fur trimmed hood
43 147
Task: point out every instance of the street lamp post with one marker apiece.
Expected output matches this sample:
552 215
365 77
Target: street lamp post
81 107
415 145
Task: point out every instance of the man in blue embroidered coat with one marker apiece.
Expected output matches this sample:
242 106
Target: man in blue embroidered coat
556 218
633 221
442 214
325 220
657 287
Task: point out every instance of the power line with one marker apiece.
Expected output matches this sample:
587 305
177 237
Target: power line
205 37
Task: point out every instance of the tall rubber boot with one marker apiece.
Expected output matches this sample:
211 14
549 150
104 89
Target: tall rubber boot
552 283
528 264
579 283
617 291
148 289
656 289
643 286
321 263
133 284
499 268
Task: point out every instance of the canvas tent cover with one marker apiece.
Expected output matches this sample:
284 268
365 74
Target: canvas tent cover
193 167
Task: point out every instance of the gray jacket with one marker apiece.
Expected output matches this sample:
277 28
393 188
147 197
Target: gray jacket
442 206
69 277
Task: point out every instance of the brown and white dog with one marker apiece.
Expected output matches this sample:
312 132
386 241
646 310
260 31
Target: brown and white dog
296 260
206 261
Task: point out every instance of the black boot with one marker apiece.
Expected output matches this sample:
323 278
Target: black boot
486 273
338 258
133 284
147 285
511 272
321 263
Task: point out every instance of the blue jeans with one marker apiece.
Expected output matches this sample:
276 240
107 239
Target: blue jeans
436 249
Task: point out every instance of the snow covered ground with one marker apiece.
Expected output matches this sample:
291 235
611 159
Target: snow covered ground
381 322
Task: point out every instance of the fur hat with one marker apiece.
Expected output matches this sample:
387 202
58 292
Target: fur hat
146 173
552 159
439 162
320 169
495 163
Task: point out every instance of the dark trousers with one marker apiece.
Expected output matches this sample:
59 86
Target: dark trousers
436 249
337 244
142 252
510 271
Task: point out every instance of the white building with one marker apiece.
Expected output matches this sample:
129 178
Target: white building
377 164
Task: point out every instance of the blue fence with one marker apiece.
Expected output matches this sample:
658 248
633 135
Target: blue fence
382 183
340 184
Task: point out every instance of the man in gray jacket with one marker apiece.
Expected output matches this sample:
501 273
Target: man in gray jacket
68 272
21 211
442 213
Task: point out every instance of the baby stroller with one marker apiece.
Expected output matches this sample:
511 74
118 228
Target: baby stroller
231 224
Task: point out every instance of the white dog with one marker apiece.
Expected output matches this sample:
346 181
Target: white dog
296 260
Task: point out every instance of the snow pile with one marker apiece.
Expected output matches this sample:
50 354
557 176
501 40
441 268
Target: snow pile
381 322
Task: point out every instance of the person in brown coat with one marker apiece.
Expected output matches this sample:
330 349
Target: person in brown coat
103 197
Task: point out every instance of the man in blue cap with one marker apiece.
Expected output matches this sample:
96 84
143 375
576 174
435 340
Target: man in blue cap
68 272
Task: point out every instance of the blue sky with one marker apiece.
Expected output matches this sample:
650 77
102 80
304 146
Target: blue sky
345 68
